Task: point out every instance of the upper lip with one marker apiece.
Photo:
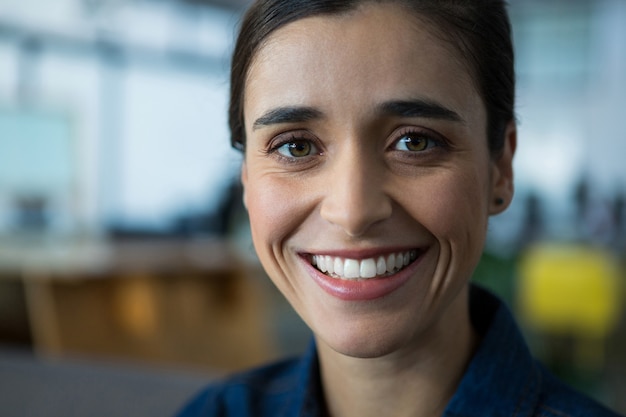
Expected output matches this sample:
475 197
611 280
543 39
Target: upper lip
362 253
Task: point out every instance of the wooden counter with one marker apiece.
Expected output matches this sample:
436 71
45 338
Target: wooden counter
184 303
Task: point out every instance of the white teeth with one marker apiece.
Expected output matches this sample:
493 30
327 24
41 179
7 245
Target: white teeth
346 268
328 261
337 266
368 268
381 266
399 261
391 263
350 268
320 263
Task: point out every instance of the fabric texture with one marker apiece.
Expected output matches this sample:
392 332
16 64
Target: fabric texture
502 380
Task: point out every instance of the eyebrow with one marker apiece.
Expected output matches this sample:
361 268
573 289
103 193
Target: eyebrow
419 108
401 108
290 114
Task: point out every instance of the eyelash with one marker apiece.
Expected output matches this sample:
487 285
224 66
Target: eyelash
434 141
292 138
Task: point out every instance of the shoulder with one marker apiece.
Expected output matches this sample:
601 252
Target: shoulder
559 400
504 379
259 392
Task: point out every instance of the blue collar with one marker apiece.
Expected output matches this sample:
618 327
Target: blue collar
502 378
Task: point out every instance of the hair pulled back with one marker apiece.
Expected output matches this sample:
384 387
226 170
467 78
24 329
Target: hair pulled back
479 29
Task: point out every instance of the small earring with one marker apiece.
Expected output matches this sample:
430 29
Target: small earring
499 201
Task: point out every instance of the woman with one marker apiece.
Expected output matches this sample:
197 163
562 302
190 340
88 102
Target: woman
378 138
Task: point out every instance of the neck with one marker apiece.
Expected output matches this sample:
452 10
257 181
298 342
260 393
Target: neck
416 381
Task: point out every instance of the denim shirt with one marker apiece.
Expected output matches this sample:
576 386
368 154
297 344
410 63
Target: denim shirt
502 380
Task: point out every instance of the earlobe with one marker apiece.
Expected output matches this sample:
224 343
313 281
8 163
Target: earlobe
244 181
502 173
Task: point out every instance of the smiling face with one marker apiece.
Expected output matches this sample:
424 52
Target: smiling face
367 176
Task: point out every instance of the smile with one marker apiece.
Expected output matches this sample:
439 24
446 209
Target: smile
353 269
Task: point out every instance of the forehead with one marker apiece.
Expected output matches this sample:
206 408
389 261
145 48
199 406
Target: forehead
366 54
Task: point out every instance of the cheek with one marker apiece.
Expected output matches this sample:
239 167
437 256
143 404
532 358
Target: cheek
455 209
274 210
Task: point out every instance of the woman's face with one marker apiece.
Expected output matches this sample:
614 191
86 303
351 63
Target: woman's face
367 176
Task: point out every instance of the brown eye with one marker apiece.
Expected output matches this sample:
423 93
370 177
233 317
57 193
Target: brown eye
297 149
414 142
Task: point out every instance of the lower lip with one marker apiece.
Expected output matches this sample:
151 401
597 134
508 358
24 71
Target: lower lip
362 289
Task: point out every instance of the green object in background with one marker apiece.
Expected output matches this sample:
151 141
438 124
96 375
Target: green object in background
497 273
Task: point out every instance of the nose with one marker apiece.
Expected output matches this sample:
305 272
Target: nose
355 199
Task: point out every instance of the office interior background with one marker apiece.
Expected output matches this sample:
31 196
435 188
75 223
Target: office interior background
125 258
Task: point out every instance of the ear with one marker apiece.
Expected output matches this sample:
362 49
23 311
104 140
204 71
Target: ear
502 188
244 182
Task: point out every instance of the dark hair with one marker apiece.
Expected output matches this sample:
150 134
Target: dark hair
479 29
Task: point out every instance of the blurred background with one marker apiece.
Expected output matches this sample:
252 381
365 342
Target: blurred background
127 275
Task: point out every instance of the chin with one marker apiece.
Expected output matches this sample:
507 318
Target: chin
364 341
